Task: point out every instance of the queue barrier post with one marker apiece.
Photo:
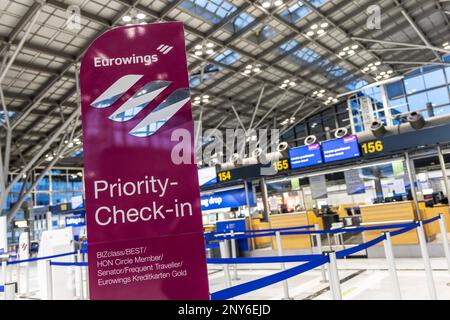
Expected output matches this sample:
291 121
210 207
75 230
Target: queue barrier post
80 275
27 276
445 240
390 258
18 280
10 291
319 245
335 283
234 254
226 270
4 268
426 260
48 269
282 265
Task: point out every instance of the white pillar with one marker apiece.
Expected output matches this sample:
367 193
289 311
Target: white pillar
390 259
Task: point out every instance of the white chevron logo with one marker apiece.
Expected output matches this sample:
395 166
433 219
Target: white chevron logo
164 48
146 94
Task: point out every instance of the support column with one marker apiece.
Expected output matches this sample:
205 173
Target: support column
444 170
411 175
247 200
265 200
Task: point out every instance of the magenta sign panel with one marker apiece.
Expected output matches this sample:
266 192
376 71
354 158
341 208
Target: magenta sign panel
144 221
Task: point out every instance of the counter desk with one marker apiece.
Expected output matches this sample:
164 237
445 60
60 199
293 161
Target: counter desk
287 220
390 213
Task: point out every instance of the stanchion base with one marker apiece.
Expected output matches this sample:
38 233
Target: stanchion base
287 298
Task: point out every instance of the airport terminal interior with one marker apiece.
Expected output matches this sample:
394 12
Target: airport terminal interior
320 133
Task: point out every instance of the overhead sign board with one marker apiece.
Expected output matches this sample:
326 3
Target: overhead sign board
226 199
143 212
305 156
340 149
207 176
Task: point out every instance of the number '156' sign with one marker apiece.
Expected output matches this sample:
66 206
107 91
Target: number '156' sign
372 147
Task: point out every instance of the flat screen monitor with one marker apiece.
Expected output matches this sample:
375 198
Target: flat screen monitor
340 149
207 176
77 202
305 156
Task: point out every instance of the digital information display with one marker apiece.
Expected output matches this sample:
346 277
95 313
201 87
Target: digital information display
305 156
340 149
207 176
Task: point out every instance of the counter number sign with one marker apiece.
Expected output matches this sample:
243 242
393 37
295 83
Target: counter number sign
224 176
372 147
281 165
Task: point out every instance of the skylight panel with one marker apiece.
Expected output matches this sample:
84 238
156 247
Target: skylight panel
298 10
227 57
213 11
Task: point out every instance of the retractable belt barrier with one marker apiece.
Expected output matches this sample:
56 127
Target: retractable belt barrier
69 264
314 261
42 258
277 259
311 232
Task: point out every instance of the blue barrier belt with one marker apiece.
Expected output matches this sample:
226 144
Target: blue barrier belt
363 246
2 288
268 280
279 229
360 229
431 220
69 264
211 234
238 237
299 258
42 258
406 229
212 245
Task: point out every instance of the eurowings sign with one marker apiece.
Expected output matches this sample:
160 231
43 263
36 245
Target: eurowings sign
144 224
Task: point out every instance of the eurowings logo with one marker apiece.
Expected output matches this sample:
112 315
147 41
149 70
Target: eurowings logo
146 94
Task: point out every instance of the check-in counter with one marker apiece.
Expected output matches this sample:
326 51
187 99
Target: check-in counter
261 242
313 219
302 241
388 213
432 229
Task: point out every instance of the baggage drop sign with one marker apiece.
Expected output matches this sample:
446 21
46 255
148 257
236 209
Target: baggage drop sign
144 226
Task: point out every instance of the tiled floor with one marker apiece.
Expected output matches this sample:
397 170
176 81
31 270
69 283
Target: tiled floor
361 279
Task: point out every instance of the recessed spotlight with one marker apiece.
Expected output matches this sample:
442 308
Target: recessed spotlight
126 18
198 47
198 53
321 31
324 25
286 81
278 3
209 51
140 16
266 4
351 52
378 63
354 47
314 26
210 45
256 70
346 49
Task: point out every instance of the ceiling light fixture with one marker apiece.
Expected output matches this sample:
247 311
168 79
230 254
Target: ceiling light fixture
252 69
317 29
205 48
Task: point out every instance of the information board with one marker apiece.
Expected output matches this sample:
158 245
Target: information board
305 156
340 149
143 214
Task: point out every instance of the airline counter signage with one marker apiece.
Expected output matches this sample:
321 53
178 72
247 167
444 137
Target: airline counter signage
144 224
340 149
305 156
